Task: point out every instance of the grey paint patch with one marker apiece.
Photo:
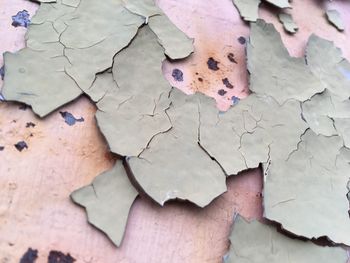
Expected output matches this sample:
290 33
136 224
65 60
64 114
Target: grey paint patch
70 119
21 19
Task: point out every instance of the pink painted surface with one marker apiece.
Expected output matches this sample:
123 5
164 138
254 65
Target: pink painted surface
35 210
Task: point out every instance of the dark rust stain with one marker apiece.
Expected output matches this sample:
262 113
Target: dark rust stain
231 57
241 40
30 124
227 83
213 64
200 79
222 92
2 148
177 74
59 257
21 145
30 256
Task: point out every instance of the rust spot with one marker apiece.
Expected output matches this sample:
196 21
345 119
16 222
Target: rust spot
241 40
222 92
213 64
200 79
231 57
227 83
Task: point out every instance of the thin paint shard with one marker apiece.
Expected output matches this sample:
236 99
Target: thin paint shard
255 242
280 3
273 71
248 9
335 19
288 23
107 202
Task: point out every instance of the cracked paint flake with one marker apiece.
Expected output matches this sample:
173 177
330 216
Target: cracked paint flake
139 98
288 23
255 242
248 9
64 52
273 71
327 64
107 201
56 65
334 18
191 174
316 205
254 131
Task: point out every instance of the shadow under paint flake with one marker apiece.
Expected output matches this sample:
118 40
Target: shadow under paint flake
59 257
30 256
2 72
21 19
70 119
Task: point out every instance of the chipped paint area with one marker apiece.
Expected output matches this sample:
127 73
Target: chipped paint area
200 20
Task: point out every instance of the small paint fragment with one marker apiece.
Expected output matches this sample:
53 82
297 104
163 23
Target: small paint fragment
30 124
241 40
59 257
213 64
200 79
21 19
235 100
335 19
21 145
2 97
30 256
69 118
231 57
177 74
2 72
222 92
227 83
2 148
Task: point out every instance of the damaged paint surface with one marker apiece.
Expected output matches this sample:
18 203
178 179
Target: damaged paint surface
321 158
335 19
192 175
288 23
248 9
255 242
138 106
107 201
273 71
253 132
